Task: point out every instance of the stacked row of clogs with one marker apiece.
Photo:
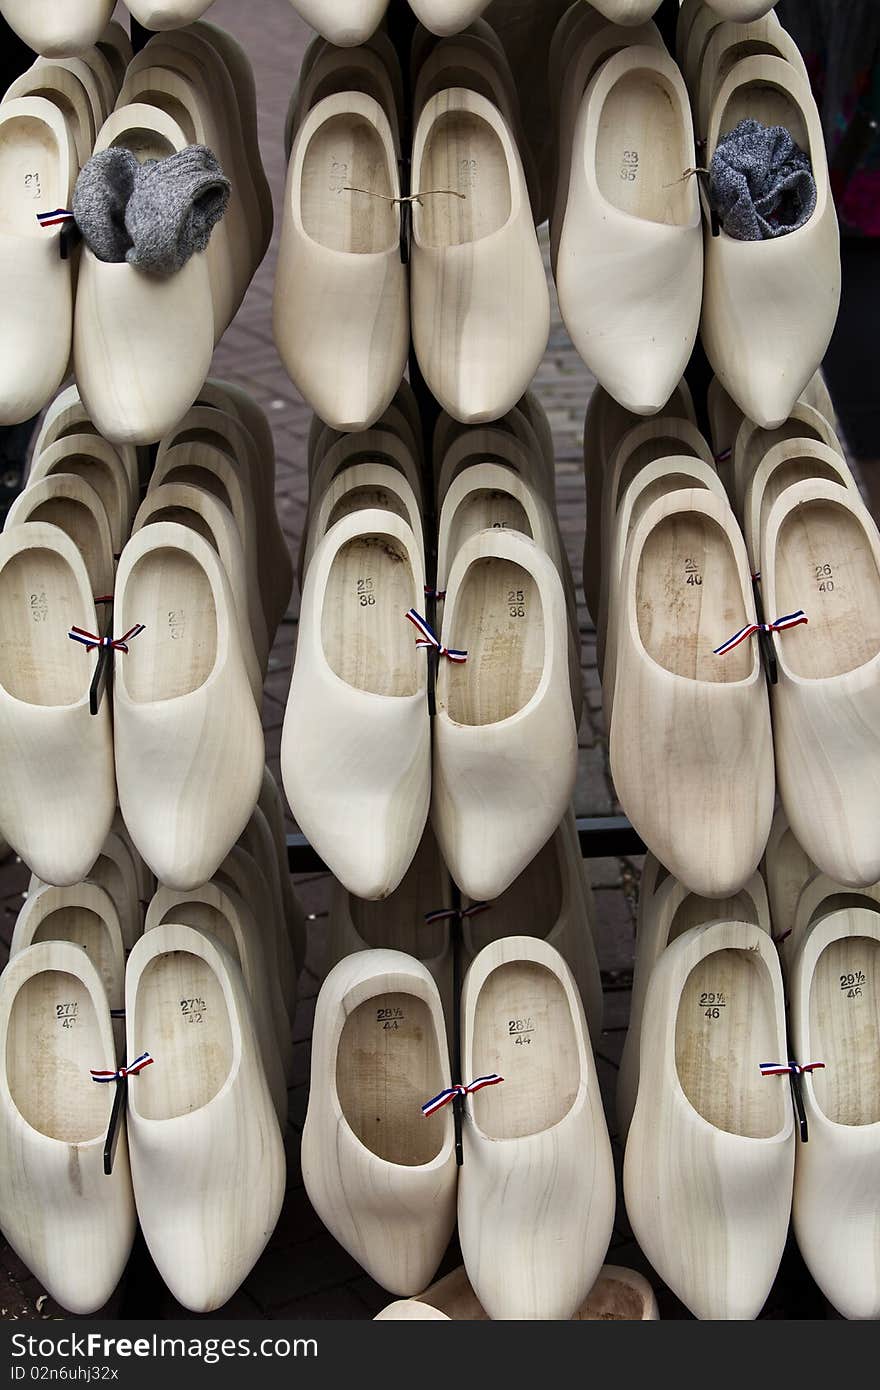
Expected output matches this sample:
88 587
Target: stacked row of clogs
200 588
473 296
699 1100
141 342
66 28
681 548
638 267
357 759
378 1146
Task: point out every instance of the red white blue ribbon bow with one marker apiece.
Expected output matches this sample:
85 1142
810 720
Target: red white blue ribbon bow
430 1107
443 914
137 1066
117 644
429 638
778 625
56 218
790 1068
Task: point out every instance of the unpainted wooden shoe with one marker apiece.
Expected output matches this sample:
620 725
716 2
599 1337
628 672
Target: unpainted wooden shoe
67 415
727 45
535 1142
373 68
792 461
626 11
207 1158
55 1196
55 81
752 443
819 897
510 442
75 507
618 1295
821 547
58 788
710 1155
690 738
57 30
363 485
502 713
167 14
342 22
379 1172
100 465
447 16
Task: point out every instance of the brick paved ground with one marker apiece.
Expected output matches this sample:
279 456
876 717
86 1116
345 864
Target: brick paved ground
304 1273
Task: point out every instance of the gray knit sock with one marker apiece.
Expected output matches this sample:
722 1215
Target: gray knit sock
153 215
760 182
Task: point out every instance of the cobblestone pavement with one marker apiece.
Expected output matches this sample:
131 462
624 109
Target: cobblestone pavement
304 1273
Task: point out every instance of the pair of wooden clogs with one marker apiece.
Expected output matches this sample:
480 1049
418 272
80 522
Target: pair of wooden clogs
199 1159
378 1151
49 119
357 761
473 296
347 23
636 274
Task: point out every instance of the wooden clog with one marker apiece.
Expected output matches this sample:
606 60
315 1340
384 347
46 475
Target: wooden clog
58 790
57 30
632 304
686 774
67 415
97 463
415 919
55 1196
447 16
372 69
272 805
787 869
114 46
355 748
834 1011
226 918
821 553
762 345
207 1159
185 720
818 898
752 443
390 441
709 1159
552 900
792 461
363 485
480 309
618 1295
68 502
536 1142
626 11
341 287
668 913
38 168
728 44
167 14
342 22
142 344
500 442
503 713
54 81
380 1174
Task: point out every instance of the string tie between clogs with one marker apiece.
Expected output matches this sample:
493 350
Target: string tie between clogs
430 1107
56 218
429 638
116 644
444 914
790 1068
778 625
137 1066
409 198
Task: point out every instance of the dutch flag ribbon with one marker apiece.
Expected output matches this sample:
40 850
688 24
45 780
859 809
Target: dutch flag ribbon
442 914
430 1107
137 1066
117 644
790 1068
778 625
429 638
56 218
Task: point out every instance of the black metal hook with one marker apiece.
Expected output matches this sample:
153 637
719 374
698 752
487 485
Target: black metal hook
117 1116
103 678
797 1095
765 641
403 167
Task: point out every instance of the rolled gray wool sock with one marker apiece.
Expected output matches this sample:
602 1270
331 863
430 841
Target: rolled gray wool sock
100 198
760 182
173 208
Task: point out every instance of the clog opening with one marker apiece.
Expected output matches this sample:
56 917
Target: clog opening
694 911
660 487
769 104
838 902
724 1030
760 441
398 921
175 655
181 1019
387 1066
76 521
366 638
39 602
794 470
524 1031
642 150
144 143
531 906
657 446
205 917
106 481
53 1041
86 928
845 1030
486 509
172 107
499 621
363 497
30 174
689 600
346 189
464 167
184 516
825 565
